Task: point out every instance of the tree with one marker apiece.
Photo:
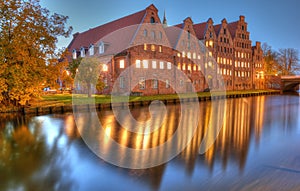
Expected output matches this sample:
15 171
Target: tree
289 61
88 74
28 36
271 65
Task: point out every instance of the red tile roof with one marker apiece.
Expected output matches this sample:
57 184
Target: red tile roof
217 29
232 28
200 30
93 35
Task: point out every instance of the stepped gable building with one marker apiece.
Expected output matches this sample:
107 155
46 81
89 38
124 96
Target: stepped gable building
154 51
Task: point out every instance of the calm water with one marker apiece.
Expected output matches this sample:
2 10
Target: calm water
256 149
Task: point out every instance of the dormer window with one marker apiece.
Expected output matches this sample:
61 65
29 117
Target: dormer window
152 20
101 48
74 54
91 50
82 52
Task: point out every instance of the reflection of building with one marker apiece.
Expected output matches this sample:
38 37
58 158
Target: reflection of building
141 41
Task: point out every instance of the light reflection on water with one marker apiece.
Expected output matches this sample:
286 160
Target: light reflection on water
257 148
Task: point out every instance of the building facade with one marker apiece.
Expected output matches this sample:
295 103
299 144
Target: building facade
146 56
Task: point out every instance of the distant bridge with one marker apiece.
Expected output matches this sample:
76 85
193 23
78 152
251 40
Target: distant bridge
289 83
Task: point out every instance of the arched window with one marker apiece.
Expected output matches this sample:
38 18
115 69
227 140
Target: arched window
145 33
82 52
91 50
74 54
153 34
152 20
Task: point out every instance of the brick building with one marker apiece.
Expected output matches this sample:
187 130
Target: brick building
142 54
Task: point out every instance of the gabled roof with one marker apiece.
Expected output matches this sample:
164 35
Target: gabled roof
200 30
232 28
93 35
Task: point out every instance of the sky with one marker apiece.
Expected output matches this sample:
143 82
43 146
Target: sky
276 22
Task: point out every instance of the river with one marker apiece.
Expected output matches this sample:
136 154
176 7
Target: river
256 148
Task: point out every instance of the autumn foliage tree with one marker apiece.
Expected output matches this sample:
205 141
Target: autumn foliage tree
28 36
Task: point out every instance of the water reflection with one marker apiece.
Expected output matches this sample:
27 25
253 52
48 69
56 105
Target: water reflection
47 152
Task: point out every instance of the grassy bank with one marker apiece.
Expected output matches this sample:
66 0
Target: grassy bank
66 99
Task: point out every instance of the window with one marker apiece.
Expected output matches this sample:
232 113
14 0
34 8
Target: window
179 66
167 84
122 85
91 50
211 43
189 55
189 35
181 83
183 54
145 46
101 48
194 55
74 54
159 48
210 35
105 68
153 34
142 83
155 83
189 67
82 52
169 65
145 63
122 64
183 66
160 35
152 20
161 65
138 64
152 47
224 31
195 67
145 33
153 64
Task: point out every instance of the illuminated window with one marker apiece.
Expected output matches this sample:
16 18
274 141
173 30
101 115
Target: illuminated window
145 64
224 60
211 43
218 59
195 67
105 68
183 66
169 65
210 54
194 55
183 54
152 47
154 64
145 46
199 57
210 64
206 43
142 83
199 67
122 64
161 65
178 55
205 65
189 67
224 71
138 64
154 83
179 66
189 55
160 48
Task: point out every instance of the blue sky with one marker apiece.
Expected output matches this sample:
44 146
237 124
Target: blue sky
276 22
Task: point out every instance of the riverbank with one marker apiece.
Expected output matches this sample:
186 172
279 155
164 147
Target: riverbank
60 103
